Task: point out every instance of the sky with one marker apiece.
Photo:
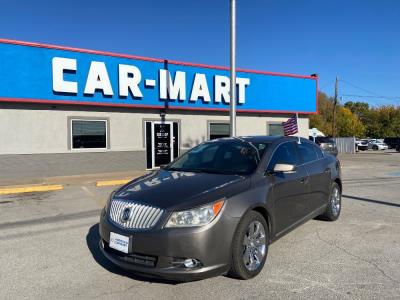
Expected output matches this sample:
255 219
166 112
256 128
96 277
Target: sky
358 41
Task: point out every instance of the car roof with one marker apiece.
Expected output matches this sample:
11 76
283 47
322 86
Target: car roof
265 138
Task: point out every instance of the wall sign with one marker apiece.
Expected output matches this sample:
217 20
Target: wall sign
50 74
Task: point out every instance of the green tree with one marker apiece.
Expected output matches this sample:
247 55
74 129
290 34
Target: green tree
323 120
360 109
348 124
357 119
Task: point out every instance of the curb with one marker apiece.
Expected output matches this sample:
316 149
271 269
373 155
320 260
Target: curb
112 182
30 189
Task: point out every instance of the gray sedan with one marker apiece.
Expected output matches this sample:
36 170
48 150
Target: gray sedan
217 208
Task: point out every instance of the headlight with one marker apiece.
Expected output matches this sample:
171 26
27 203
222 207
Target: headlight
195 217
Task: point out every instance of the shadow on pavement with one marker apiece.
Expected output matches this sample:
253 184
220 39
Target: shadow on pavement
92 241
372 201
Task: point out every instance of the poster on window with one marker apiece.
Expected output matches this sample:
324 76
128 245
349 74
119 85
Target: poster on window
162 144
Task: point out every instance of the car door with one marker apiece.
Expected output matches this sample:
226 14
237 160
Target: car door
319 175
288 190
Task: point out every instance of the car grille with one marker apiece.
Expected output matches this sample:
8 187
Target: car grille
133 258
140 216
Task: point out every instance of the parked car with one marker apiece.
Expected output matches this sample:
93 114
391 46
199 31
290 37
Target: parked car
327 144
218 207
376 145
361 145
392 142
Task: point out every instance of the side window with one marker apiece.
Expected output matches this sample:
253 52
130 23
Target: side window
284 154
307 152
319 152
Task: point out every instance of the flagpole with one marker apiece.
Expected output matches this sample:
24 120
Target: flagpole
232 106
298 132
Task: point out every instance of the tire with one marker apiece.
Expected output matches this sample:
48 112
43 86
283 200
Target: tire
244 244
334 207
375 148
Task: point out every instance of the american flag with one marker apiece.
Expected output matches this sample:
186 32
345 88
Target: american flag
290 126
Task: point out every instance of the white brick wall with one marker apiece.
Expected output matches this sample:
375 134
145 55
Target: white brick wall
27 131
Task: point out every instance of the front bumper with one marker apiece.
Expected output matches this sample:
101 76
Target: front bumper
159 252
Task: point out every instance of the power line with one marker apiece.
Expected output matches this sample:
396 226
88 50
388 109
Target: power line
326 85
360 88
374 97
371 93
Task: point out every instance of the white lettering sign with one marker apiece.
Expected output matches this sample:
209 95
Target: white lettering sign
59 66
129 79
200 88
175 89
172 88
98 79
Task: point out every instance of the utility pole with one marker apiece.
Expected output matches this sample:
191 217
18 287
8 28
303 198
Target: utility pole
232 106
334 107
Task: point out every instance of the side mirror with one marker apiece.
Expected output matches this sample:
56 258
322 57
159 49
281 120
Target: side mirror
284 168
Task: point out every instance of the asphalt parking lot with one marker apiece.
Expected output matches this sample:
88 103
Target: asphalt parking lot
48 245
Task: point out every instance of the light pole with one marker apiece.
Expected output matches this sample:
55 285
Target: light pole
232 106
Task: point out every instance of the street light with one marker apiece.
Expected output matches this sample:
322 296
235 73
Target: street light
232 106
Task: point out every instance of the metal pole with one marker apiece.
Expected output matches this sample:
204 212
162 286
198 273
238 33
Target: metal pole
232 106
298 133
334 107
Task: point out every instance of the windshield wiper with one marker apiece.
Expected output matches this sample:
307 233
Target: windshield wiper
183 170
173 169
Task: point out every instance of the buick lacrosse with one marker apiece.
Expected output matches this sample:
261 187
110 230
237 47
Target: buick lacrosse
218 207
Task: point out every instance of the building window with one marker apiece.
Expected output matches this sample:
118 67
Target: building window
275 129
88 134
218 130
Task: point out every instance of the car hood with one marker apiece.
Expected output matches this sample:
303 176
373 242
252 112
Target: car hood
181 190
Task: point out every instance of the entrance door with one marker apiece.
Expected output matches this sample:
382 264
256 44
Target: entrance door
161 143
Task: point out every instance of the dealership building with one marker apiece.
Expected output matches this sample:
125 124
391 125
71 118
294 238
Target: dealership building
67 100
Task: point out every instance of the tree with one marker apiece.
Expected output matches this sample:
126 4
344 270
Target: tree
348 124
348 120
323 120
357 119
360 109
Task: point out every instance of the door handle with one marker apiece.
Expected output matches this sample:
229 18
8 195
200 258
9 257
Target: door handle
304 180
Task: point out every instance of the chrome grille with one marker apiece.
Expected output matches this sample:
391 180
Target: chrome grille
140 216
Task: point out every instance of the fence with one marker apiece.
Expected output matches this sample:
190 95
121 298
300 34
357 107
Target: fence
346 144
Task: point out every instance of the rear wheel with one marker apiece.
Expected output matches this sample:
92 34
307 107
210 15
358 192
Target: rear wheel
375 147
334 207
249 246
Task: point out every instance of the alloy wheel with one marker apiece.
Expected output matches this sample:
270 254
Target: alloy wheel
335 201
254 246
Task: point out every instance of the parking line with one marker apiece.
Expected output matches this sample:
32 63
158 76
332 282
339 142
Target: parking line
112 182
30 189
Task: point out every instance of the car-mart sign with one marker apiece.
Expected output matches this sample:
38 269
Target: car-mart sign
50 74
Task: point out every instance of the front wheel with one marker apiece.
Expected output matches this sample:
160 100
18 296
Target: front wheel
334 207
249 246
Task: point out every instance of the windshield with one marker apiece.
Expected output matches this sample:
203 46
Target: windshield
221 157
322 139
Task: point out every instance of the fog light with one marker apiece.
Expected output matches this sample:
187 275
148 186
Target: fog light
190 263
